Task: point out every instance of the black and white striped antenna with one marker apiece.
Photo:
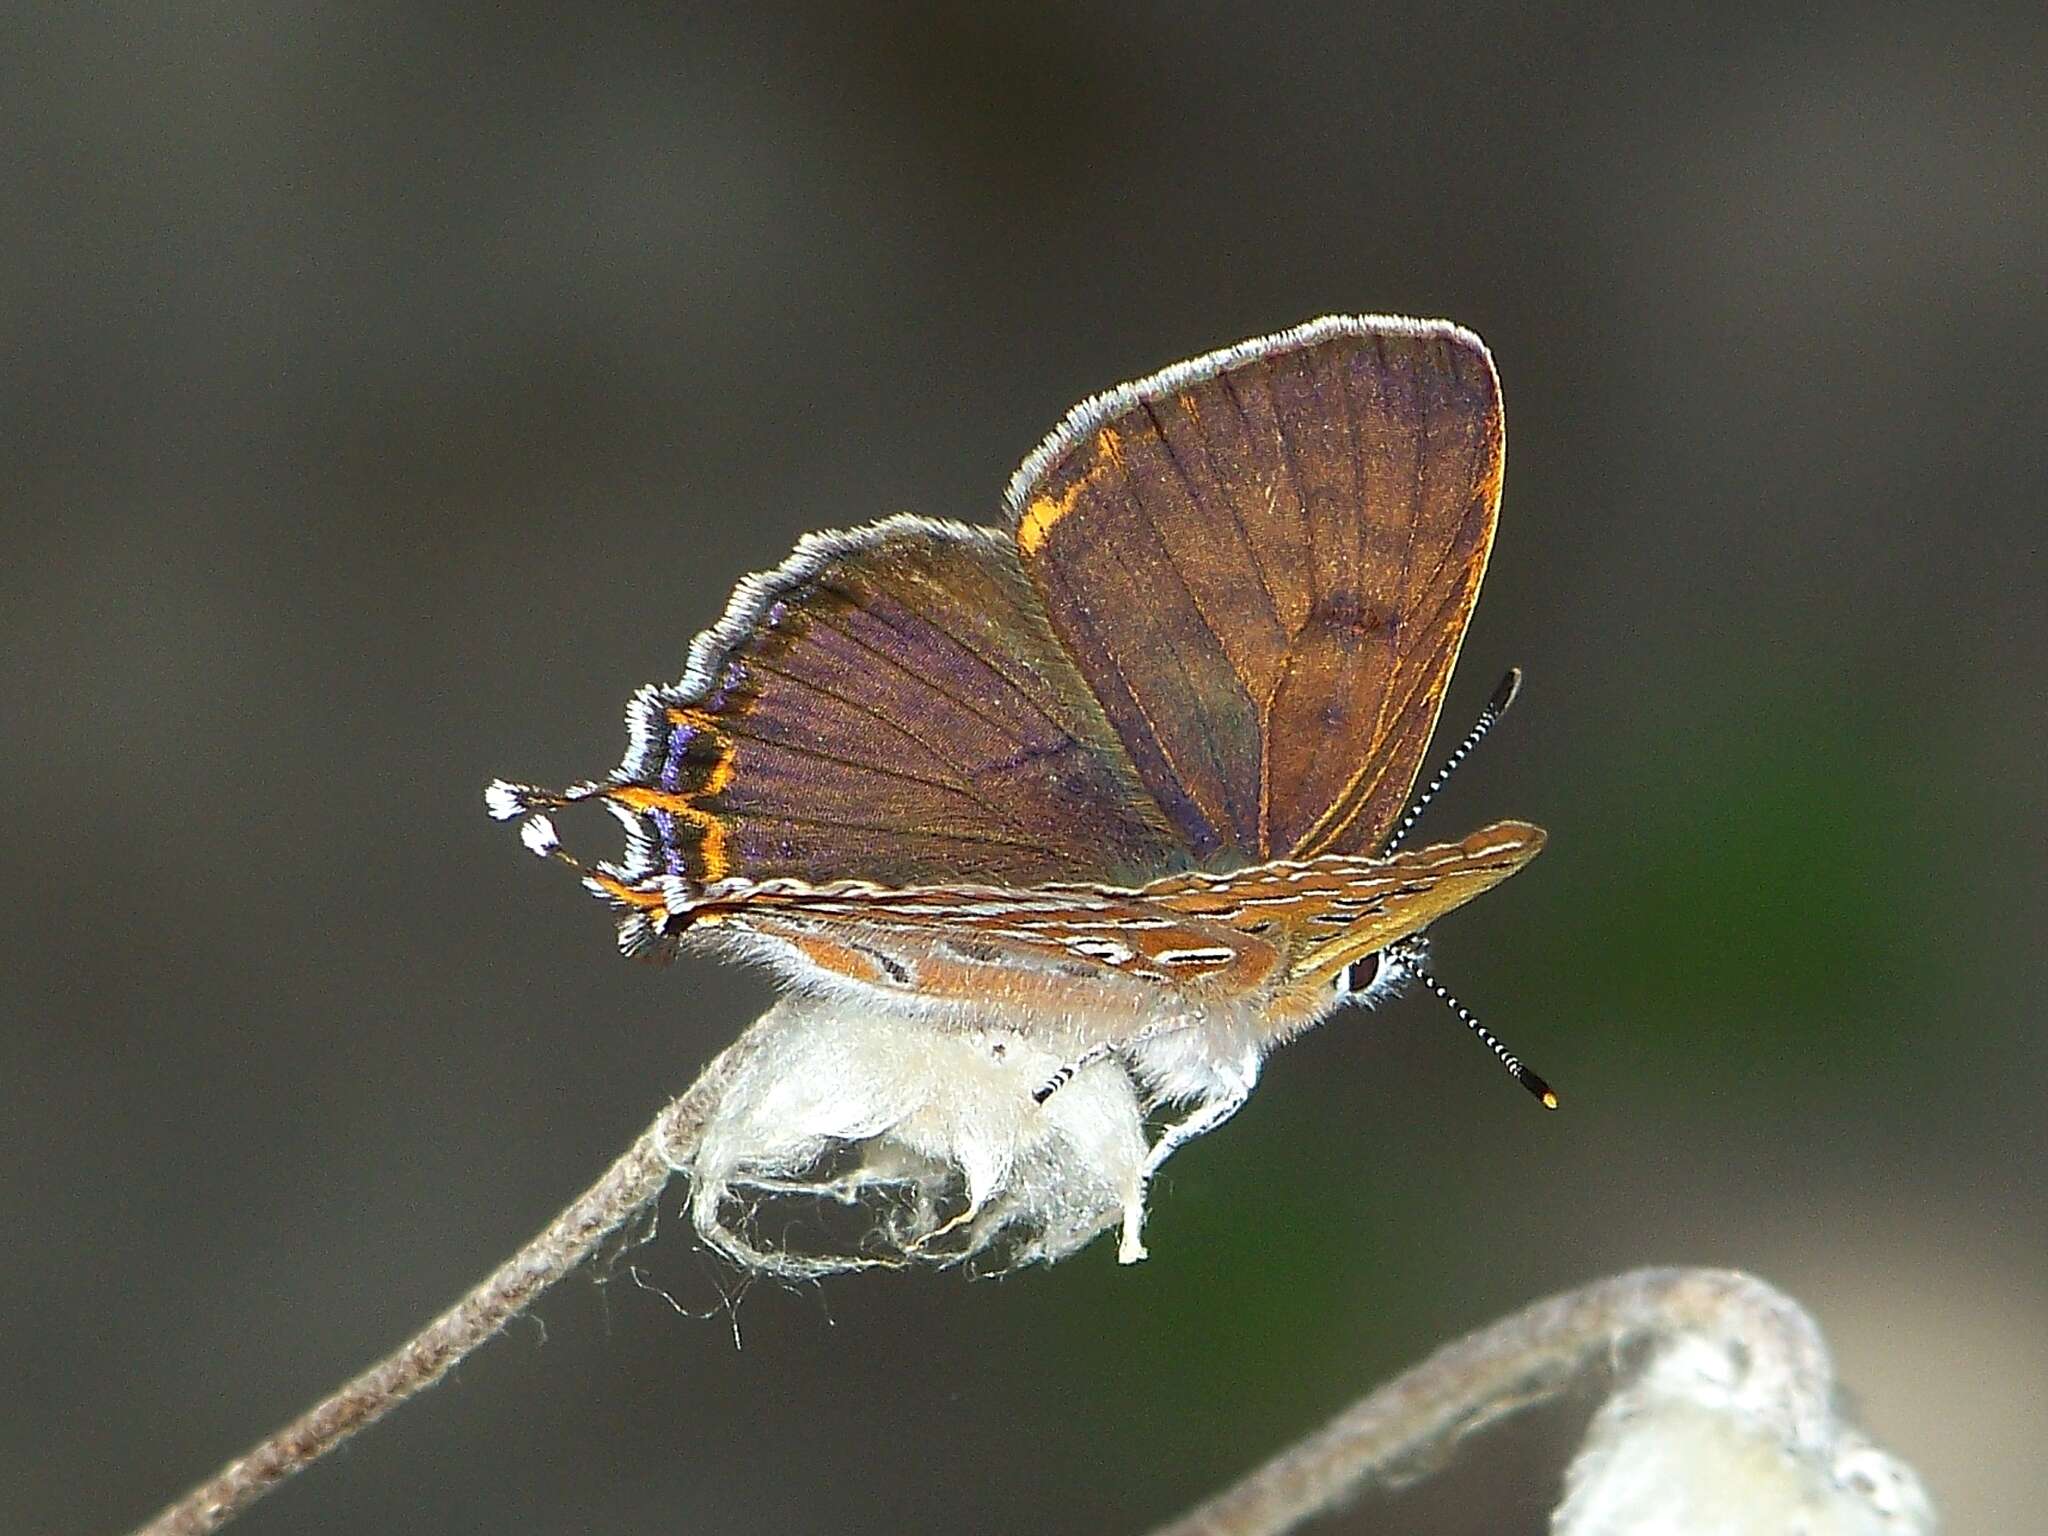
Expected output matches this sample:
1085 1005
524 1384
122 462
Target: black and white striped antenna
1538 1088
1496 706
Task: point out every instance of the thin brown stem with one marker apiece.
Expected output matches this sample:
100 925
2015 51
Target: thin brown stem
627 1188
1518 1361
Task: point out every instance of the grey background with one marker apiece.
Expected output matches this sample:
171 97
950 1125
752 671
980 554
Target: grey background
391 389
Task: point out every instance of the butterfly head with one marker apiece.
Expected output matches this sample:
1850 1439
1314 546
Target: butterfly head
1373 977
1354 919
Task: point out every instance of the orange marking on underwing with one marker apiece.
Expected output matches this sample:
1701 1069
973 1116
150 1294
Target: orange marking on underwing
720 773
848 960
629 896
711 848
644 797
1035 526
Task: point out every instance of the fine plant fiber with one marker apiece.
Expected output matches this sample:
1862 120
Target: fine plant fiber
924 1135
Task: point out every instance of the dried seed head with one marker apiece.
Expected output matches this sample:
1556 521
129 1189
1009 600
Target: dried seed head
844 1136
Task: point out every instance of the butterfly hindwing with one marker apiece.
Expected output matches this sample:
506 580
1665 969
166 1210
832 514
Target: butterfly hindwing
1263 562
887 703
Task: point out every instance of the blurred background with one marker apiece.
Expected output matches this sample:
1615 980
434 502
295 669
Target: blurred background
395 388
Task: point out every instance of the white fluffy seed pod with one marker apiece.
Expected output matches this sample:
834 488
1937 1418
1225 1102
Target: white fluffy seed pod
1695 1446
839 1137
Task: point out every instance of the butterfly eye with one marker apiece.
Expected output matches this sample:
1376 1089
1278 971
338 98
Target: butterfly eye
1359 976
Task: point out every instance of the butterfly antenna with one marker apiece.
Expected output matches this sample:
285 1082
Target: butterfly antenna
1496 706
1521 1074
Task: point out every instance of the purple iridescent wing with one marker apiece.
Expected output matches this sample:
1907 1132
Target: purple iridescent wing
1263 562
889 705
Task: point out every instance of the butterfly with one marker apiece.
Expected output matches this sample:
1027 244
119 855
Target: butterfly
1128 771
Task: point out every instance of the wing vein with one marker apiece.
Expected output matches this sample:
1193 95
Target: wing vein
1244 537
963 786
966 706
1202 720
1079 616
837 823
820 754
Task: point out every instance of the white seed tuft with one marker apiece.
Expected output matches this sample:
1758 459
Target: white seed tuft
923 1136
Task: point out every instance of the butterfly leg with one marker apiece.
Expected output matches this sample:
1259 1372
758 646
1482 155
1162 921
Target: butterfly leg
950 1225
1130 1247
1102 1050
1130 1244
1234 1086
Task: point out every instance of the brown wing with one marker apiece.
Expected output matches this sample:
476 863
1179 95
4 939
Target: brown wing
1263 562
1055 946
890 705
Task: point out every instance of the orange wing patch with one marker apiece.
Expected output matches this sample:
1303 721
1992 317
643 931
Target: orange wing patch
1036 524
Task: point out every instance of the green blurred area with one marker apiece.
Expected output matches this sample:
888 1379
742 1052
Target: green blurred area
1767 900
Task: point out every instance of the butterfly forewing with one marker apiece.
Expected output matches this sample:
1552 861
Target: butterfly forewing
1326 911
1248 935
1069 946
1264 561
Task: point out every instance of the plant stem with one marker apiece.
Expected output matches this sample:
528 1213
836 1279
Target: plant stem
627 1188
1519 1361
